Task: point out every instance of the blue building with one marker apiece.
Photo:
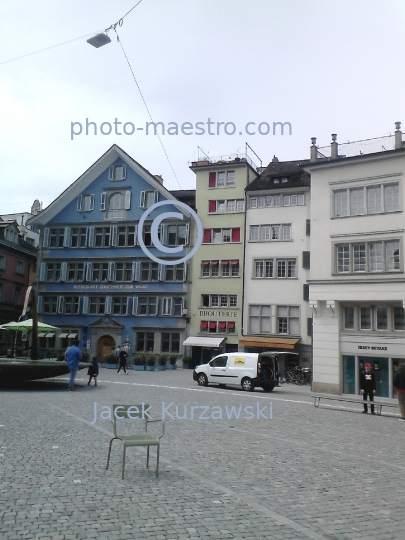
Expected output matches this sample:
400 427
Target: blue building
94 280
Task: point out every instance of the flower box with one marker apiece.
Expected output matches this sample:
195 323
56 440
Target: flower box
150 368
139 368
111 366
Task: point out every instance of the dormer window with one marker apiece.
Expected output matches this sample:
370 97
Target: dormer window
11 236
117 172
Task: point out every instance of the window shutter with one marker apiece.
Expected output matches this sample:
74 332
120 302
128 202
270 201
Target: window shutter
124 172
236 235
308 227
79 202
185 267
85 305
89 268
212 179
66 237
114 235
127 200
129 306
108 304
40 304
135 305
92 200
212 206
142 199
111 269
187 234
136 270
309 326
102 203
156 198
163 235
60 304
90 235
45 241
63 271
162 272
183 303
42 270
306 259
207 236
136 243
111 173
305 295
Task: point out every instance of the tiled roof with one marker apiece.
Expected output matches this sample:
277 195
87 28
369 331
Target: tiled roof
292 170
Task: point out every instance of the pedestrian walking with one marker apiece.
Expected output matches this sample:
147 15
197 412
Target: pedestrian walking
73 357
367 386
123 361
399 383
118 351
92 372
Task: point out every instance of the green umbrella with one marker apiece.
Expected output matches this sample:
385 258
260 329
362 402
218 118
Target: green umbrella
25 326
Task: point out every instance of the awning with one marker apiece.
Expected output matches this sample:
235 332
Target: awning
72 335
202 341
204 263
214 262
62 336
51 334
224 262
234 262
41 334
276 342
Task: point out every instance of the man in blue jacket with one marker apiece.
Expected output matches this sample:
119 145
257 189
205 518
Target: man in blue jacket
73 357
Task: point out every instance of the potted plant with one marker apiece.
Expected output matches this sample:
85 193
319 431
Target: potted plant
150 362
172 361
51 353
162 361
111 360
187 361
140 361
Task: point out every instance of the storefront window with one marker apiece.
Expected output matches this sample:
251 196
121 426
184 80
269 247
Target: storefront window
349 375
380 368
395 364
348 321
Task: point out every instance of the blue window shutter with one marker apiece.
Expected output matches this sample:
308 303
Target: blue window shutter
66 237
60 304
90 236
162 272
136 270
79 203
129 305
124 172
187 234
45 241
114 235
102 203
85 305
42 270
111 268
88 271
163 235
92 201
40 304
185 268
136 243
142 199
135 305
127 200
108 304
111 173
63 271
156 196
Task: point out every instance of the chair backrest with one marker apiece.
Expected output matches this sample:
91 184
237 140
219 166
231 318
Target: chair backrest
128 412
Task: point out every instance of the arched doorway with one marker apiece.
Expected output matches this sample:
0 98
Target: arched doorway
105 345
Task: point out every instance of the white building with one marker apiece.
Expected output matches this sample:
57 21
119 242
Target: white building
30 234
276 312
357 281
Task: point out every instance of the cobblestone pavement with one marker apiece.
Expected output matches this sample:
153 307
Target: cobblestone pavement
304 474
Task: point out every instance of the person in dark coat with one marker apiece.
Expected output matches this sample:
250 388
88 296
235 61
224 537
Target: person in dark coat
399 383
123 361
92 372
367 386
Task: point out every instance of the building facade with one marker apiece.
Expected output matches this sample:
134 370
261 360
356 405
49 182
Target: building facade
357 281
95 282
276 301
217 277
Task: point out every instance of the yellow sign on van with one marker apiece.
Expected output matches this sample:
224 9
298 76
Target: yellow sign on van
239 361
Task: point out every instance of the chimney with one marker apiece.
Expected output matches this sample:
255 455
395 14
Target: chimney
398 136
159 178
314 149
275 159
334 147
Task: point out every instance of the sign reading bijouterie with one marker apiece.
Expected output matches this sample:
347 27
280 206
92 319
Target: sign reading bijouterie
212 313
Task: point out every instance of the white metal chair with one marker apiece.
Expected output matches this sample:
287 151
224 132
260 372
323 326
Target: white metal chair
144 438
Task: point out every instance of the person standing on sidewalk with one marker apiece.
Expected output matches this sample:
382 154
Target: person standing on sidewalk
367 386
73 357
399 383
123 361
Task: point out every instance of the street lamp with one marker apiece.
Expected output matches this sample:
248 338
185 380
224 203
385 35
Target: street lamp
99 40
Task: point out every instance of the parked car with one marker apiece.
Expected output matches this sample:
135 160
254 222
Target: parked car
248 370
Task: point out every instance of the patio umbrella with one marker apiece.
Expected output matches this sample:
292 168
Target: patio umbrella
25 326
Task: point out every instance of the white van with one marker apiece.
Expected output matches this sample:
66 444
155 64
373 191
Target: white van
247 370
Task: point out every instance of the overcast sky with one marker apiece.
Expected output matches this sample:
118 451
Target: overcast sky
324 67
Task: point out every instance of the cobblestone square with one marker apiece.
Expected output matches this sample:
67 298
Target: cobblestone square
303 473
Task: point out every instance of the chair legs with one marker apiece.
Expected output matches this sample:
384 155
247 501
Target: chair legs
109 452
123 457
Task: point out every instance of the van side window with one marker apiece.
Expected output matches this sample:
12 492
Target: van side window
219 362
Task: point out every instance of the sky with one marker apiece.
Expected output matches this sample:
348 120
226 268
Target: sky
323 67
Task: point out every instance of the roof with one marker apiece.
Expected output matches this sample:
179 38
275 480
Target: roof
292 170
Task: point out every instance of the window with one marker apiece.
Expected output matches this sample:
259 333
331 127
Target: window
147 305
267 233
221 179
102 236
274 268
215 327
2 262
71 306
20 267
271 201
123 271
17 296
288 321
99 272
228 268
85 203
221 236
119 305
117 172
50 304
373 318
372 199
177 235
126 236
170 342
216 300
11 236
78 237
149 271
383 256
172 306
148 198
53 272
348 318
226 206
116 206
175 272
75 272
56 237
399 318
145 341
97 305
259 319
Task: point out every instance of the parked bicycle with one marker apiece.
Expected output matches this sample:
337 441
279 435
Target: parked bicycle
297 374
